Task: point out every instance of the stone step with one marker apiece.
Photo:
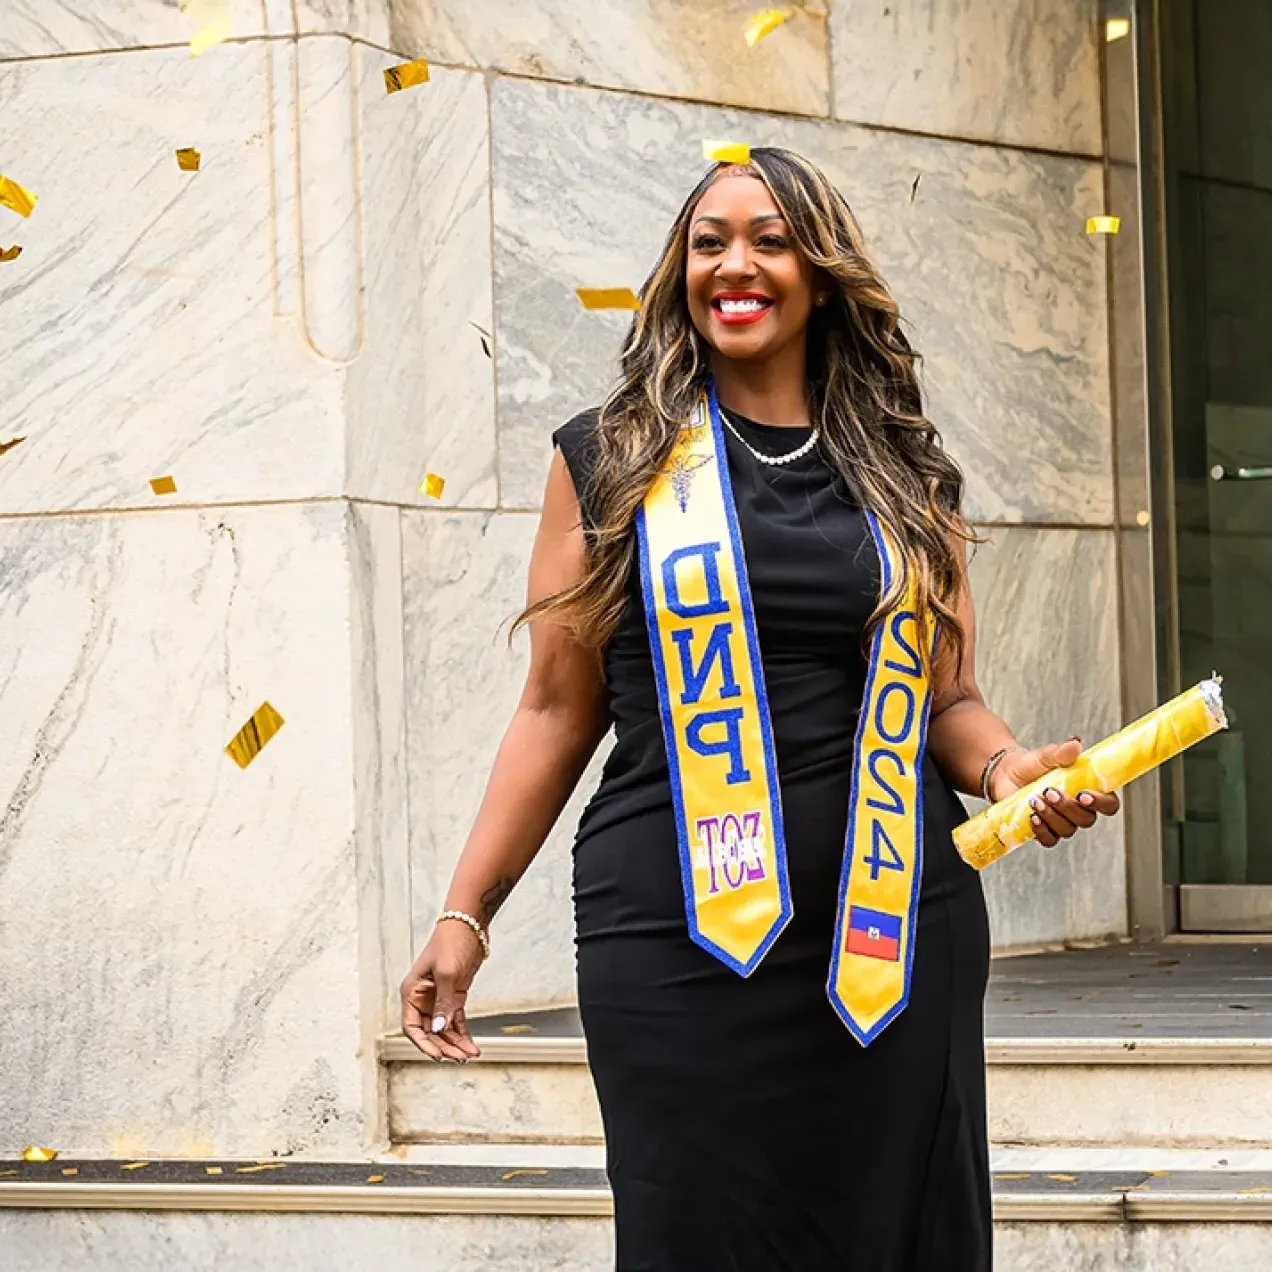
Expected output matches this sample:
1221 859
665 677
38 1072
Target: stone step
531 1085
395 1216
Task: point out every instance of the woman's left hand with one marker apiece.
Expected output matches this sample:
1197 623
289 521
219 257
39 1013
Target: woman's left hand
1055 815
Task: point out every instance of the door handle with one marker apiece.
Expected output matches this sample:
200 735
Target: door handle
1256 473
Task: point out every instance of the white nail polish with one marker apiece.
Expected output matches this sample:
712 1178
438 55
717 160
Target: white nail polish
439 1023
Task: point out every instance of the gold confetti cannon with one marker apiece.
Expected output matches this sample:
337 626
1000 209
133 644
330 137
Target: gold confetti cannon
1137 749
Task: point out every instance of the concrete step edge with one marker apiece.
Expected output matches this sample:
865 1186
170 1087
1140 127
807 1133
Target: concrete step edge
586 1202
423 1200
396 1049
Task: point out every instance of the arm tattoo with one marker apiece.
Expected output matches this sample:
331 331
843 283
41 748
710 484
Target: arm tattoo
495 896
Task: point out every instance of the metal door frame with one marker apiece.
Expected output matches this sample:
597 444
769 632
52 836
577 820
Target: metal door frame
1149 605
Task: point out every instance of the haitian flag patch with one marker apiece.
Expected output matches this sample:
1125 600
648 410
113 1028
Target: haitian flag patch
874 933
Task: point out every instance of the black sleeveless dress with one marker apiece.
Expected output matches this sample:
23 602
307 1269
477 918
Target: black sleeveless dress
746 1129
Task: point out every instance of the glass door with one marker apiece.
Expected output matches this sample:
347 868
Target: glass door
1217 199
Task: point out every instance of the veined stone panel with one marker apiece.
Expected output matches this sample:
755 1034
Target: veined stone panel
421 395
45 28
1003 292
464 578
291 320
1047 662
141 336
180 936
1025 72
666 47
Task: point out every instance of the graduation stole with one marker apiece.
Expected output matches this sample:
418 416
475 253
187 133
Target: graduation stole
720 755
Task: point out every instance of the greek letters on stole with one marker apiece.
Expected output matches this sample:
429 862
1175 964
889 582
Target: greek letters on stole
721 758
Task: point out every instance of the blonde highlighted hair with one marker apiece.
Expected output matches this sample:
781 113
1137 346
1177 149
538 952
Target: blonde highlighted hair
864 395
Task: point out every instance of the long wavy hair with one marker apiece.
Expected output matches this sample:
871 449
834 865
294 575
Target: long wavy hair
864 397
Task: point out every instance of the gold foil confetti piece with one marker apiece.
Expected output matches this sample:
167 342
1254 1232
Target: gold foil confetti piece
1250 1192
1158 1173
1003 1177
4 1174
70 1170
188 159
432 485
525 1170
726 151
485 337
413 1171
10 253
405 75
211 20
758 25
163 485
252 1170
34 1153
214 1170
375 1179
1103 224
1116 29
17 197
243 748
10 444
1064 1179
607 297
134 1165
518 1029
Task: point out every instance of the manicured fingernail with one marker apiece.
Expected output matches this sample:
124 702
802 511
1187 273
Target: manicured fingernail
1053 795
1036 820
1075 738
1086 799
1036 802
439 1023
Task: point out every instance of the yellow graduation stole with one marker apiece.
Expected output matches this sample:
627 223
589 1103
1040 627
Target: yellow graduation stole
720 754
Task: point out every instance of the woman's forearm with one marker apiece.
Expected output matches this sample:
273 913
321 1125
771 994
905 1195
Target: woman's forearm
540 760
962 737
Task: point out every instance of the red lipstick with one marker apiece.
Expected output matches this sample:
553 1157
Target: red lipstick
744 307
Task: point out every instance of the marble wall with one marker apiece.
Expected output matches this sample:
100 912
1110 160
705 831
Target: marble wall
252 330
292 333
178 935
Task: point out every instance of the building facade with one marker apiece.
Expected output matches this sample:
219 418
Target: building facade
358 288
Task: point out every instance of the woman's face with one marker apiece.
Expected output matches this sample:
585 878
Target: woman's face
750 288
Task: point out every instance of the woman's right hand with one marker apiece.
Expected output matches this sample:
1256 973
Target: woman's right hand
434 992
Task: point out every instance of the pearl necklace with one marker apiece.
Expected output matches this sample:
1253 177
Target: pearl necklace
776 460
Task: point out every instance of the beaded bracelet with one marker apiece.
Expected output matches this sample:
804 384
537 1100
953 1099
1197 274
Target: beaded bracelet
482 935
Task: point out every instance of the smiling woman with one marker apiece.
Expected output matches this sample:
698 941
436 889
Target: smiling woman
748 291
745 560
